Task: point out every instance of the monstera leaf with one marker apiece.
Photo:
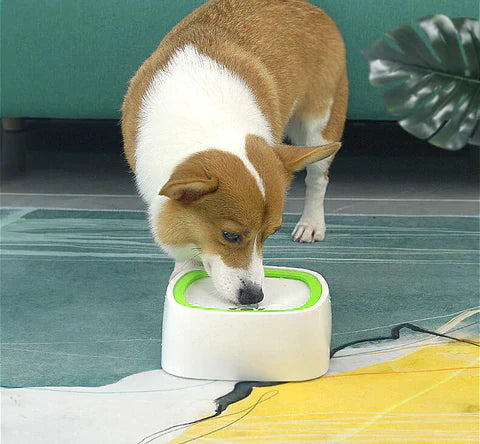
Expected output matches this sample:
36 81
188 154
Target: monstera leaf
434 82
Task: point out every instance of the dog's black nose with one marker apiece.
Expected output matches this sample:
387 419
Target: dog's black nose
250 294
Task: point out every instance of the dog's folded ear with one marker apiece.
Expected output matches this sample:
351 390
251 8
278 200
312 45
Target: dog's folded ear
295 158
188 190
189 183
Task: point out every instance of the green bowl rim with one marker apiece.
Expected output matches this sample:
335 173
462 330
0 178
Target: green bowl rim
310 280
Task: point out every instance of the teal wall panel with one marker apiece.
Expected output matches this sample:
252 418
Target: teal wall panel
73 59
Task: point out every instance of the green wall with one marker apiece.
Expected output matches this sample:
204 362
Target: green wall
73 59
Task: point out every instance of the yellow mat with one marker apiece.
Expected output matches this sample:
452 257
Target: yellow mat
429 395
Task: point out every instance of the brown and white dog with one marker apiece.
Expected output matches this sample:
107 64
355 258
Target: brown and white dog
203 123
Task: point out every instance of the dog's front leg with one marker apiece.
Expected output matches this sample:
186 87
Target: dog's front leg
311 226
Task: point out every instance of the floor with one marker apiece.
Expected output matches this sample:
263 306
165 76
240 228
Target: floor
379 170
82 291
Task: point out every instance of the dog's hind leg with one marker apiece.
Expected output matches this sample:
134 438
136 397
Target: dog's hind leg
314 132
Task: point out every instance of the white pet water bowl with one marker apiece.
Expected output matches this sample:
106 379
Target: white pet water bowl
287 338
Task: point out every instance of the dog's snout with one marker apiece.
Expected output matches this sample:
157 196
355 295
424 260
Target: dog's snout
250 294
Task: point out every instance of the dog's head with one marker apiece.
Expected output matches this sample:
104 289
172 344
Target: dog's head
226 207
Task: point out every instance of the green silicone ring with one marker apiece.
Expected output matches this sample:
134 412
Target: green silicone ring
311 281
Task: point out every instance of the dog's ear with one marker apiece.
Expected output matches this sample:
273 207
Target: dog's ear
295 158
189 183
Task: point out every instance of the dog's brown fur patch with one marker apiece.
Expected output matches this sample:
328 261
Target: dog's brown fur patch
236 205
213 191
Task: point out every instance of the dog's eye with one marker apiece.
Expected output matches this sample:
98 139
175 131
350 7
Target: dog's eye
232 237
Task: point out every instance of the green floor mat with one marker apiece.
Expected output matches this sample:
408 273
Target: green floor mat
82 291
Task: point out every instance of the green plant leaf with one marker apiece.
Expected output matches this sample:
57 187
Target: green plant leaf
434 82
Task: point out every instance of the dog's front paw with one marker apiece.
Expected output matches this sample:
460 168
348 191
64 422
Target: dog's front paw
308 232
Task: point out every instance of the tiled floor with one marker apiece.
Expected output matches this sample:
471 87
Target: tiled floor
380 170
